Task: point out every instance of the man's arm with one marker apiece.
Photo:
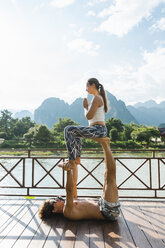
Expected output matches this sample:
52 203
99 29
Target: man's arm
75 176
69 194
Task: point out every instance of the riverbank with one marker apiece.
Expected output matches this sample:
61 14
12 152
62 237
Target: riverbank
96 152
86 144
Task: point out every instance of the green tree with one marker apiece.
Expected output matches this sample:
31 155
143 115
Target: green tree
137 135
155 133
145 136
29 136
3 135
128 129
22 126
12 128
108 125
114 134
5 123
58 129
163 139
117 123
114 123
42 134
142 135
61 124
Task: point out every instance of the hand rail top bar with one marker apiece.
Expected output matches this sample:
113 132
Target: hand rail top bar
84 149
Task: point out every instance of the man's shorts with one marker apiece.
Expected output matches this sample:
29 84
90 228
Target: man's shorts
109 210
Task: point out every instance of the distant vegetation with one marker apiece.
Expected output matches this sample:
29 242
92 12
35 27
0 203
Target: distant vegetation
25 133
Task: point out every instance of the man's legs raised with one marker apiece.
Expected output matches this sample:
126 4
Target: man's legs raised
110 191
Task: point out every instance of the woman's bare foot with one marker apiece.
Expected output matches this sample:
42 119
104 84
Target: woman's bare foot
68 165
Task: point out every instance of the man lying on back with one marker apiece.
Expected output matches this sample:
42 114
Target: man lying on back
108 206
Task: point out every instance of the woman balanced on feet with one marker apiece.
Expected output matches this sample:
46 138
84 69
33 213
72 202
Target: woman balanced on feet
95 113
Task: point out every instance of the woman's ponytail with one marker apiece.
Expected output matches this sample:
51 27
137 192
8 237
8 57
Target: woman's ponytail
101 90
103 94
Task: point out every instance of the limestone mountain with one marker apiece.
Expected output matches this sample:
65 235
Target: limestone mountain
53 108
149 104
50 110
119 110
149 113
23 113
76 112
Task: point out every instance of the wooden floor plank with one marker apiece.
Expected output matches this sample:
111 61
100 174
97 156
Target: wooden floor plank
69 234
3 202
117 234
145 225
10 214
96 234
5 208
8 234
55 234
160 210
28 233
134 223
82 235
22 223
40 236
156 216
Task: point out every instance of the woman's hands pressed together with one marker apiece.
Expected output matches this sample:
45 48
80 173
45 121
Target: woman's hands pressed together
85 103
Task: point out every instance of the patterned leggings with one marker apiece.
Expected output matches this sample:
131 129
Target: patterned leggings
74 134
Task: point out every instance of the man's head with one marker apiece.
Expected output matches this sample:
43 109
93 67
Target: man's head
51 207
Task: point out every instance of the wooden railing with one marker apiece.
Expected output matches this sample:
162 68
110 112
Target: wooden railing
29 174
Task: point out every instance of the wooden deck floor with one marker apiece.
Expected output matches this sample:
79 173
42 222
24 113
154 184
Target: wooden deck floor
141 224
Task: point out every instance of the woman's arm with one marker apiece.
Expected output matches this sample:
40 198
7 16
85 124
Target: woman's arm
97 102
85 103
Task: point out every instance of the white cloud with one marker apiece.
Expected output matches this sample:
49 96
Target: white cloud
61 3
93 2
159 43
77 32
38 7
91 13
124 15
160 24
83 46
142 84
154 67
14 2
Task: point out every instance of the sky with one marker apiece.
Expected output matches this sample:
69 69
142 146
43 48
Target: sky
50 48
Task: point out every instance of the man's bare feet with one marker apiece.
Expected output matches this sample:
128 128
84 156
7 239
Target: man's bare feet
77 160
68 165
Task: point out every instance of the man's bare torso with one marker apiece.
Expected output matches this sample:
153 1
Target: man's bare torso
84 209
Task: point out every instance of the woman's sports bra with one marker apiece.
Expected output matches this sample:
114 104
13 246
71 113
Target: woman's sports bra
99 115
